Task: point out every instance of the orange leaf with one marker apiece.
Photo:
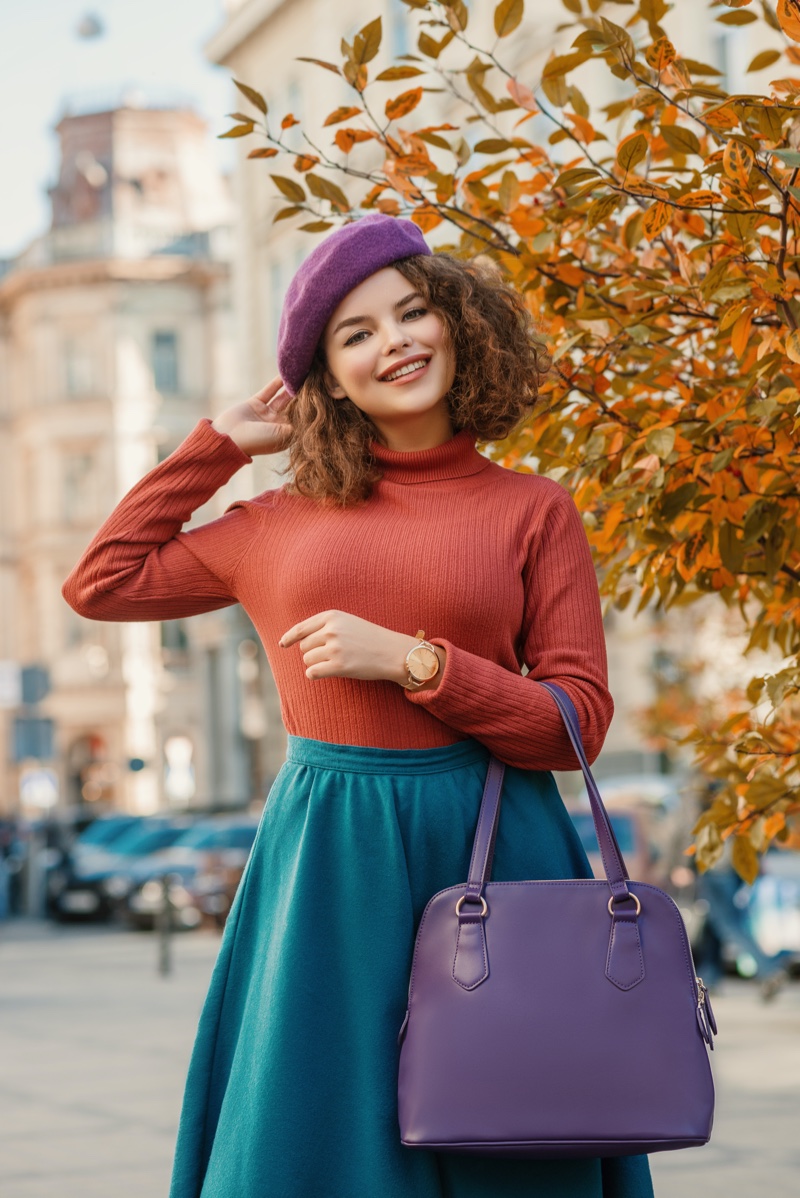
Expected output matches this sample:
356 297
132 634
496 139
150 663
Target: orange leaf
721 118
773 824
789 19
403 103
341 114
521 95
655 219
660 54
737 161
700 199
571 275
347 138
583 128
288 121
741 333
426 218
304 162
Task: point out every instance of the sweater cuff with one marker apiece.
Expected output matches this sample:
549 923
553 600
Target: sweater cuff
205 439
459 688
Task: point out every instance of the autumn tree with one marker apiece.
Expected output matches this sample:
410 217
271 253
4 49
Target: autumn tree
655 239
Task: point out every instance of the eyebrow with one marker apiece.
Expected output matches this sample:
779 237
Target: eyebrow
344 324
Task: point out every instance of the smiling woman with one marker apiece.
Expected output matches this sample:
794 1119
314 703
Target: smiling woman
394 364
392 361
484 361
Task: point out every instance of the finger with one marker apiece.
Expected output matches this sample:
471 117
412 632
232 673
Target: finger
315 657
270 390
278 401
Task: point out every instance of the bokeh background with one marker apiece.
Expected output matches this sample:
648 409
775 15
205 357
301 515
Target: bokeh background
141 280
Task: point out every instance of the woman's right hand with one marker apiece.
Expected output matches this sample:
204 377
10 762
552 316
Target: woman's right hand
256 425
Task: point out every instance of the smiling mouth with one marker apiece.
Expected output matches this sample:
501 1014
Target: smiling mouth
410 370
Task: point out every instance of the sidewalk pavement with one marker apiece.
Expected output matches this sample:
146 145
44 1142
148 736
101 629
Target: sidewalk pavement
95 1044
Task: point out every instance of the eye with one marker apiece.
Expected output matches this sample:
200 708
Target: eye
352 340
415 311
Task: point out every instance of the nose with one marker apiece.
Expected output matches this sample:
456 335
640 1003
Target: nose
396 336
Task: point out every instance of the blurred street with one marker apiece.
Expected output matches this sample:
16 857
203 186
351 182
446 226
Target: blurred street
95 1045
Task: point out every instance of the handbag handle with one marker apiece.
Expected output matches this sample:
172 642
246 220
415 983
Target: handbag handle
480 869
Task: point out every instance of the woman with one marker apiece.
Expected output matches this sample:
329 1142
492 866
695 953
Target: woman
393 362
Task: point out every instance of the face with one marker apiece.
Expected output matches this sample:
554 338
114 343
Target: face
388 353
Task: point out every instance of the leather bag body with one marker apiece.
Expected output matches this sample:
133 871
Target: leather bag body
554 1018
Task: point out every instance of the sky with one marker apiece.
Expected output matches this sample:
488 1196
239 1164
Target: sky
153 45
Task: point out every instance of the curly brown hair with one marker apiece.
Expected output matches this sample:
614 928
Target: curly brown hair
500 363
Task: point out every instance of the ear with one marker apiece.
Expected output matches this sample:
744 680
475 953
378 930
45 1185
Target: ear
333 388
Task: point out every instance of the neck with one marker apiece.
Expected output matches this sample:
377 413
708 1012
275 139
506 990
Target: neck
426 431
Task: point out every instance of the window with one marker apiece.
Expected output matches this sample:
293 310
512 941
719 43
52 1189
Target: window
173 636
165 362
79 488
78 368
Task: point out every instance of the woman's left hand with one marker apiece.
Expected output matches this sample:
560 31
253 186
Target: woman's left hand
337 644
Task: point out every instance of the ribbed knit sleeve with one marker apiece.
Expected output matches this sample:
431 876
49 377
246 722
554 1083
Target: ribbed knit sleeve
563 642
140 566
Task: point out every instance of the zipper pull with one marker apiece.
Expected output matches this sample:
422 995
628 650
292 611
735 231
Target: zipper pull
705 1016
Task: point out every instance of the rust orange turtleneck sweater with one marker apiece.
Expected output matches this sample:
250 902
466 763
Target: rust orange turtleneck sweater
493 564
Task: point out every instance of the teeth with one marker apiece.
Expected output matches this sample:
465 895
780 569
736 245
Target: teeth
405 370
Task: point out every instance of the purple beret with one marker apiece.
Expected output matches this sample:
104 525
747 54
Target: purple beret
332 269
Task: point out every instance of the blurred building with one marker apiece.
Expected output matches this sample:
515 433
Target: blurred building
116 336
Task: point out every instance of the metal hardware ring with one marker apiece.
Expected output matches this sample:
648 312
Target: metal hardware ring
464 897
631 895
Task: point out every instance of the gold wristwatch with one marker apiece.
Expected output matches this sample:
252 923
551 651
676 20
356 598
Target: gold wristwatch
422 664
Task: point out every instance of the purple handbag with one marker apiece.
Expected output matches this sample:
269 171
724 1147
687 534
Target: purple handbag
554 1018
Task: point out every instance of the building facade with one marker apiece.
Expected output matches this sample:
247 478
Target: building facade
116 336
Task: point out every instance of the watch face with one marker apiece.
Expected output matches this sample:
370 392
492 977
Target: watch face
422 664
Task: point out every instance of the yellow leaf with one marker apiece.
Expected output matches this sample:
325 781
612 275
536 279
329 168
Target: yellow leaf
293 191
631 150
763 60
793 346
367 42
744 859
507 16
253 96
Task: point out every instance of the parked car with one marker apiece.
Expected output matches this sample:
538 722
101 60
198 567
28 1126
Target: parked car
772 907
652 815
631 831
103 831
215 845
92 888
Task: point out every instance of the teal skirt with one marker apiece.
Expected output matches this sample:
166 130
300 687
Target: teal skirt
292 1084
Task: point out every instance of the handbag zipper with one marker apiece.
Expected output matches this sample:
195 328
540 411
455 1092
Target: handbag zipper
705 1015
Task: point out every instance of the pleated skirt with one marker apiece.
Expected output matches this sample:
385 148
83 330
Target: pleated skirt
292 1084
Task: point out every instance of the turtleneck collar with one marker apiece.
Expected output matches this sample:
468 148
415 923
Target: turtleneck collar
454 458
